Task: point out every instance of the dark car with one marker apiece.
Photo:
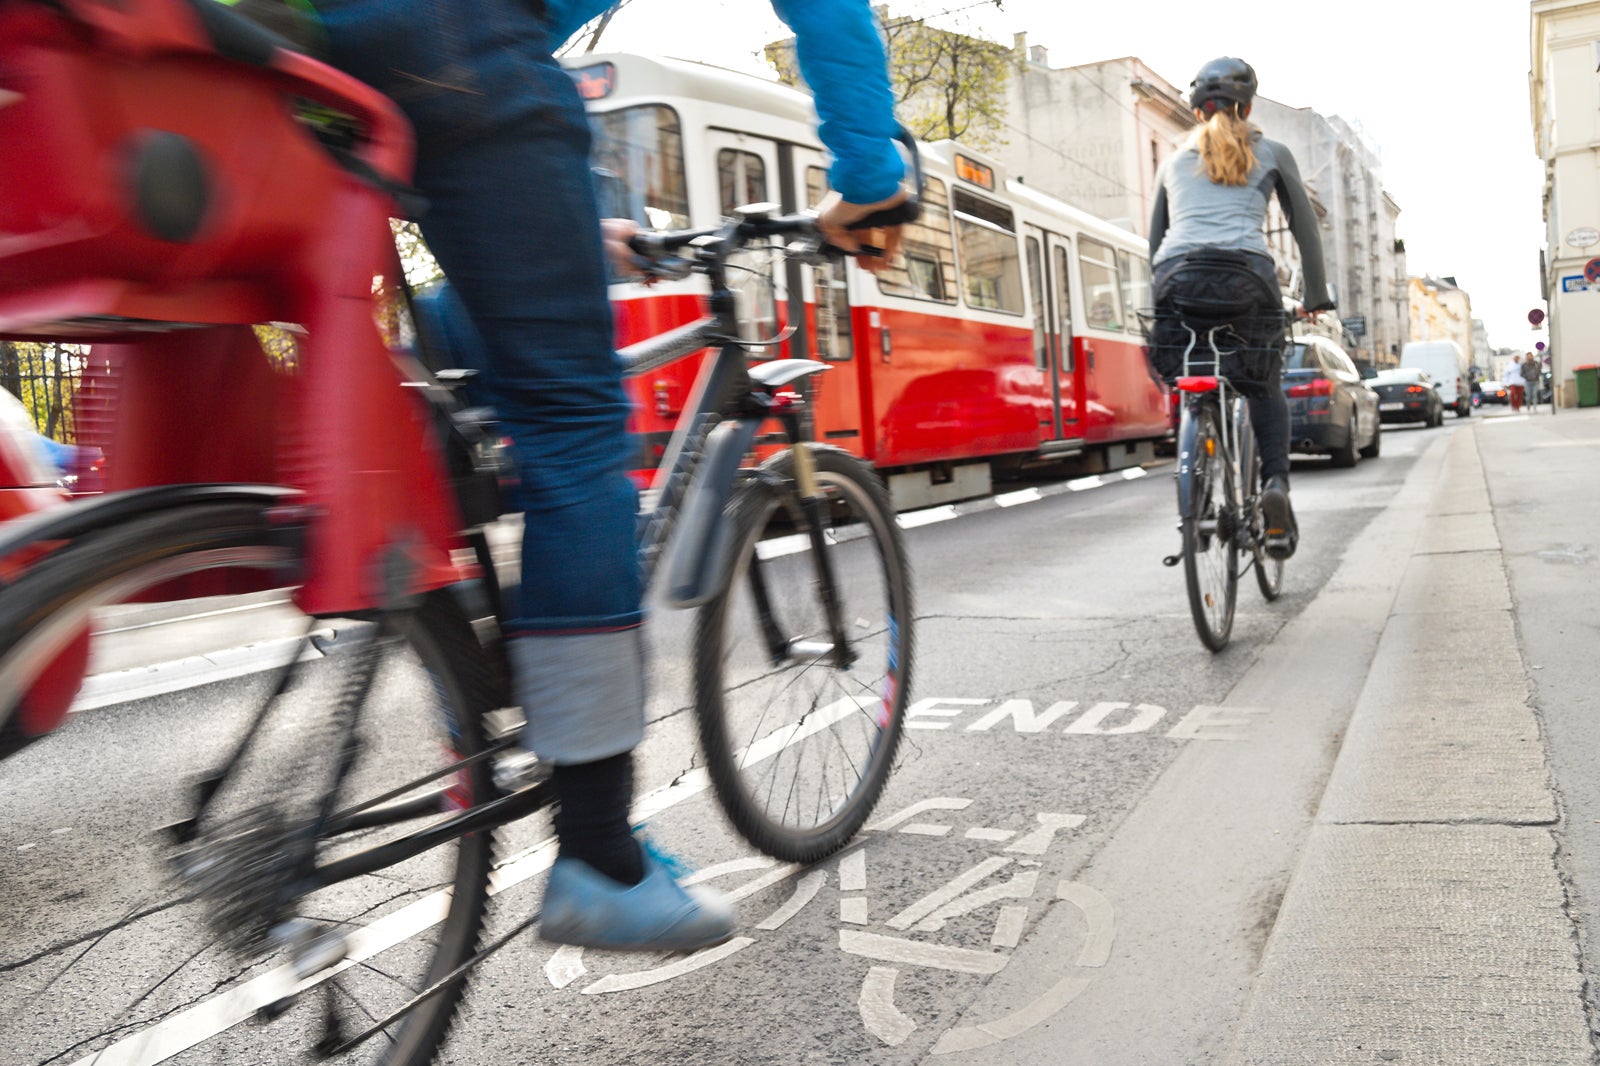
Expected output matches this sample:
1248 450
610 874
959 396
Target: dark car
1331 410
1492 392
1406 394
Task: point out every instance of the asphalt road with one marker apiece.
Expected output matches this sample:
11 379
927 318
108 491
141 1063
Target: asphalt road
1078 859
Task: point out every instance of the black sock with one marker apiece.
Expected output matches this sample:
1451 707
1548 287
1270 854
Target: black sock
593 802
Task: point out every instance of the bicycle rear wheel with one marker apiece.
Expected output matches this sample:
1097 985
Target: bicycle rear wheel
1210 562
798 746
110 954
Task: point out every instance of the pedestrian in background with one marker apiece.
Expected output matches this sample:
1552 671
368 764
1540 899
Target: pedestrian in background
1514 383
1532 378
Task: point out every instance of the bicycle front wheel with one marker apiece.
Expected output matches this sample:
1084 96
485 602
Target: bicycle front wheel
1210 563
799 732
120 947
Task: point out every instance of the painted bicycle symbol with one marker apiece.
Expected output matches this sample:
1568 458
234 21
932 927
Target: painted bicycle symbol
1008 882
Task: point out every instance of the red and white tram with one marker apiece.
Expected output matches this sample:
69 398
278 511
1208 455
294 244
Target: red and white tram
1007 334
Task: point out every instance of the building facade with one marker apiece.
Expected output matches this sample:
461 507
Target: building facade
1365 261
1566 133
1440 310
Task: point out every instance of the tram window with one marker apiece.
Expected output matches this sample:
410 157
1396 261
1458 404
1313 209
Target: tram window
1064 308
831 298
1102 290
741 179
643 146
1041 334
991 269
928 253
1135 287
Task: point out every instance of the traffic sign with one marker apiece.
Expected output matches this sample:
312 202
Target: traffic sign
1591 270
1538 346
1536 316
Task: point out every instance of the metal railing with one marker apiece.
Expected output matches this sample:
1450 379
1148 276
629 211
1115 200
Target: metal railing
46 377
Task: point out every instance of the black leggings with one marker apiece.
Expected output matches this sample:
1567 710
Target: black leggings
1269 414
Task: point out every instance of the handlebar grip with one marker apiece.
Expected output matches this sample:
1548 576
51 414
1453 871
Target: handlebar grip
898 215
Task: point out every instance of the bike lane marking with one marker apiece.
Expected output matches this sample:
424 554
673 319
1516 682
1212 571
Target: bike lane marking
180 1032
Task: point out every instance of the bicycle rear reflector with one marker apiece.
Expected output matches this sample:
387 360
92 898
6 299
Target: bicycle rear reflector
1197 384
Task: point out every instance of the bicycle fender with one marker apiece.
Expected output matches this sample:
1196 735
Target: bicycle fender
698 549
1188 442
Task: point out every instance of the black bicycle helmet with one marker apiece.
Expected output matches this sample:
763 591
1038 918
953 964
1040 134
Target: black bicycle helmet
1221 82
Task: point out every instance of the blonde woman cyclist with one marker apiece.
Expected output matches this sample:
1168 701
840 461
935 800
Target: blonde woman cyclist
1207 238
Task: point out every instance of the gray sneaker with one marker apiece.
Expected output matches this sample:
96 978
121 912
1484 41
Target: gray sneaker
584 907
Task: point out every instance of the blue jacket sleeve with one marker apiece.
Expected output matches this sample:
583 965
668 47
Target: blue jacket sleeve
841 57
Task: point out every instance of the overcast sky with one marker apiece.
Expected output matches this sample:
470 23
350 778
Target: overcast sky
1441 88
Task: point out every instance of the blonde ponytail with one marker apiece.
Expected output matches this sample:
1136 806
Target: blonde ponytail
1225 147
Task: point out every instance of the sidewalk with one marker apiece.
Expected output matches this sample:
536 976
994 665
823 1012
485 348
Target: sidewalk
1429 918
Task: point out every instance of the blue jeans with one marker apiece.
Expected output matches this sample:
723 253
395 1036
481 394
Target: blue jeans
503 145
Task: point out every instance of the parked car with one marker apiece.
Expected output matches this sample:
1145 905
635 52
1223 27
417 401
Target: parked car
1492 392
1331 410
1406 394
1444 362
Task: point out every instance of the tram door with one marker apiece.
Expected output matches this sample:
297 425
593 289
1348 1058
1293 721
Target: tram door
1049 257
829 331
745 169
1069 376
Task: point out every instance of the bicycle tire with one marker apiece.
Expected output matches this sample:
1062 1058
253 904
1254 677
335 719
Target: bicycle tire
1269 570
741 693
1210 563
155 931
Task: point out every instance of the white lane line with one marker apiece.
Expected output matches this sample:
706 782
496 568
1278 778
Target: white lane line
938 803
985 833
913 519
853 911
926 829
1011 499
878 1012
1079 484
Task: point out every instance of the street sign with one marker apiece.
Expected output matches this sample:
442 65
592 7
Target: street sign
1357 325
1538 346
1535 317
1591 270
1583 237
1577 283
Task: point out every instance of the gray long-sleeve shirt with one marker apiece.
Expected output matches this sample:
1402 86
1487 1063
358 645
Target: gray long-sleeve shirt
1194 212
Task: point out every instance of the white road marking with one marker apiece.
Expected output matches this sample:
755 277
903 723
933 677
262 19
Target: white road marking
1011 499
938 803
1101 918
1080 484
878 1012
180 1032
1019 887
853 872
1023 720
918 953
1036 842
984 833
853 911
926 829
1008 928
1145 716
928 516
1214 723
644 978
565 966
804 893
940 896
971 1038
1134 473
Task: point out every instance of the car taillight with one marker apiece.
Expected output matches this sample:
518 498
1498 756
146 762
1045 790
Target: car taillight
1415 388
1319 387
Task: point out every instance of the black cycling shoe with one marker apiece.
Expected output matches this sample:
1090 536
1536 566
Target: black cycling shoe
1282 533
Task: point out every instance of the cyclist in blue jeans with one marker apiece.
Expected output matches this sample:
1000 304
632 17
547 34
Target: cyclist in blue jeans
503 147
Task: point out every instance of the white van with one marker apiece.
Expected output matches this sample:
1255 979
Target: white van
1446 364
